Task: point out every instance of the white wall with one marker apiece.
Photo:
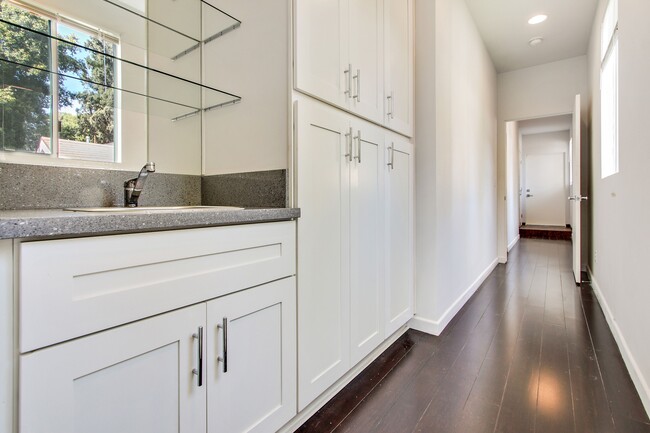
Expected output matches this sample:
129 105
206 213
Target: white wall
252 62
550 142
619 204
513 142
529 93
456 163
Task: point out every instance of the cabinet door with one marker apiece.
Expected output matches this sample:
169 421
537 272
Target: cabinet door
399 65
252 359
399 233
366 284
136 378
323 248
321 49
366 58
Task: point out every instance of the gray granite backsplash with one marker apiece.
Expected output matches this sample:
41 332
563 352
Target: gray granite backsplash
43 187
261 189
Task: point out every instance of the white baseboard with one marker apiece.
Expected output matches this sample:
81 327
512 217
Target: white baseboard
326 396
512 244
503 260
638 379
435 327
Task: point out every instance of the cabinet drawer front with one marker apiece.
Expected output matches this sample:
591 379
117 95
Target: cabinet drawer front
73 287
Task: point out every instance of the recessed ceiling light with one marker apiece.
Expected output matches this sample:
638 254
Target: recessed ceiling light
537 19
535 41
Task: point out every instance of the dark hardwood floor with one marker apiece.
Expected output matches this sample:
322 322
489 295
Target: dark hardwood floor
529 352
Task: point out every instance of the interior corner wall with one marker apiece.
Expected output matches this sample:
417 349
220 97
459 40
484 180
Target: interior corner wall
619 208
252 62
456 163
538 91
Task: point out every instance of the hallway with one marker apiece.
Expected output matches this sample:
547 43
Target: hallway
530 352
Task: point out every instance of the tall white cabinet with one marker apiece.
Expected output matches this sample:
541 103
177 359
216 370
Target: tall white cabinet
352 291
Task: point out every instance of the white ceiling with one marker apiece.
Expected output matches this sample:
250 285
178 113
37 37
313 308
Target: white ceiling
503 24
545 124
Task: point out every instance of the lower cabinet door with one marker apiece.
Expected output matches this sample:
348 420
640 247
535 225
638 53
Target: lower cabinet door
252 359
138 378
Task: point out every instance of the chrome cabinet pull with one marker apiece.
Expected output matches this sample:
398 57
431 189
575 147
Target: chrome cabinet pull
357 79
348 145
199 371
348 81
224 358
391 105
391 164
358 140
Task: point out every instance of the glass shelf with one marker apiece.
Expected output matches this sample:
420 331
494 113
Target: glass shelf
175 97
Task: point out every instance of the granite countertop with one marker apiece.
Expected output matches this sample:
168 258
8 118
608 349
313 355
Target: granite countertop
48 223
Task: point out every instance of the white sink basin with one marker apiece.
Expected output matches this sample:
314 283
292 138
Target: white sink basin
149 208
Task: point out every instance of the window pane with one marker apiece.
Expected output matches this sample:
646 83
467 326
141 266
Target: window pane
609 113
610 21
86 96
25 93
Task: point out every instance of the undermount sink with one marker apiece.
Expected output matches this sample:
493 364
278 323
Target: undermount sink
149 208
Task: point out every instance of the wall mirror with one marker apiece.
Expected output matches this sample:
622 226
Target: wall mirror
107 83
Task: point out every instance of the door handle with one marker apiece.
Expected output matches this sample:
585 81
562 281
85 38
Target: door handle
529 195
357 79
348 145
391 164
199 371
348 81
391 104
578 198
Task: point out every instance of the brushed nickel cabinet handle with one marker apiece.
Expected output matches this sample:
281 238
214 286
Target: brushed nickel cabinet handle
348 145
199 371
224 358
391 164
358 140
357 79
348 81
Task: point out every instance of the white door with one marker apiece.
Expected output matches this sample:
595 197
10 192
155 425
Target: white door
366 281
366 58
575 195
324 156
545 189
251 359
399 233
321 49
136 378
398 61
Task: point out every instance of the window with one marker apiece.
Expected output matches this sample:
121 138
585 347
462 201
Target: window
609 92
57 93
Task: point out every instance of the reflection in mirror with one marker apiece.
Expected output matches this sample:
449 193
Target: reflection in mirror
102 81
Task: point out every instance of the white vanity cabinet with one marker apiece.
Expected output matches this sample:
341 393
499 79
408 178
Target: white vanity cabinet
206 339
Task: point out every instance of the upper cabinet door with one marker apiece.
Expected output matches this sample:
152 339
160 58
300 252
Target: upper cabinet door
321 49
252 359
367 58
399 65
137 378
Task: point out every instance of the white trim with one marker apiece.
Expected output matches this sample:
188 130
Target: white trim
326 396
640 382
435 327
503 260
512 244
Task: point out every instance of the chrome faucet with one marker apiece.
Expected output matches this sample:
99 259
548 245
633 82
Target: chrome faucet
133 187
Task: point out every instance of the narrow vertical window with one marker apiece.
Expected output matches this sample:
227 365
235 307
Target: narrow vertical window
609 92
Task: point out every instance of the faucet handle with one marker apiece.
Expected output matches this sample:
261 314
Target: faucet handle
150 167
